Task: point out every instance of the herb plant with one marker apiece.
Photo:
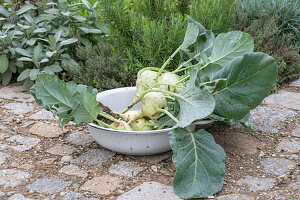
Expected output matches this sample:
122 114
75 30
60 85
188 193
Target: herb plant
35 37
222 79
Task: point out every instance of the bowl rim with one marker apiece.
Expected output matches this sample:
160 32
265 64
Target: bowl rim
200 122
131 132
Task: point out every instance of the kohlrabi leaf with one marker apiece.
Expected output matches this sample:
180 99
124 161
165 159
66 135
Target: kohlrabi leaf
199 163
191 35
228 46
86 109
250 78
195 104
59 97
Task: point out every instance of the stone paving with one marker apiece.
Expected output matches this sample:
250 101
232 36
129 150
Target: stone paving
41 161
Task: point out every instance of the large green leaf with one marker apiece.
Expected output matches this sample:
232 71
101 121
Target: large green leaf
199 163
250 78
229 45
191 35
3 63
195 104
53 95
62 98
87 108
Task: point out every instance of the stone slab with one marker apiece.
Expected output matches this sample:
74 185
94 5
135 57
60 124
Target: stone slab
18 197
127 169
2 127
3 157
155 159
16 93
255 184
296 132
296 83
12 178
48 185
18 108
103 185
287 145
285 99
235 197
94 157
46 130
73 170
277 166
264 118
76 196
61 150
42 115
80 138
150 191
22 143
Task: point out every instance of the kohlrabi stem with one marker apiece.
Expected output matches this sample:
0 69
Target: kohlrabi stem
186 62
105 124
166 63
135 101
169 114
183 69
150 124
164 91
169 97
107 116
183 79
158 128
180 66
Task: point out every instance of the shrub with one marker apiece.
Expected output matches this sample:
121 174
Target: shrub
269 39
147 32
100 67
34 36
286 11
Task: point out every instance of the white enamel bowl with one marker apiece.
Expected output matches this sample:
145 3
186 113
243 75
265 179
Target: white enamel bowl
131 142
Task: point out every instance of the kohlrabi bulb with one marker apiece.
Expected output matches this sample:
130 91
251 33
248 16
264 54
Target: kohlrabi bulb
122 126
131 115
151 102
168 79
141 125
145 81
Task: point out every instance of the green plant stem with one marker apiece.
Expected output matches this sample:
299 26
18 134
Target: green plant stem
135 101
106 125
162 91
107 116
167 62
150 124
160 127
183 79
169 114
186 62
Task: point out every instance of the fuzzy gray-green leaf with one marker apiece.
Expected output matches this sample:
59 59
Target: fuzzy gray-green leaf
3 63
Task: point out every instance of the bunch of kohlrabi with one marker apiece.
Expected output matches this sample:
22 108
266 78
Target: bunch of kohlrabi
223 79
